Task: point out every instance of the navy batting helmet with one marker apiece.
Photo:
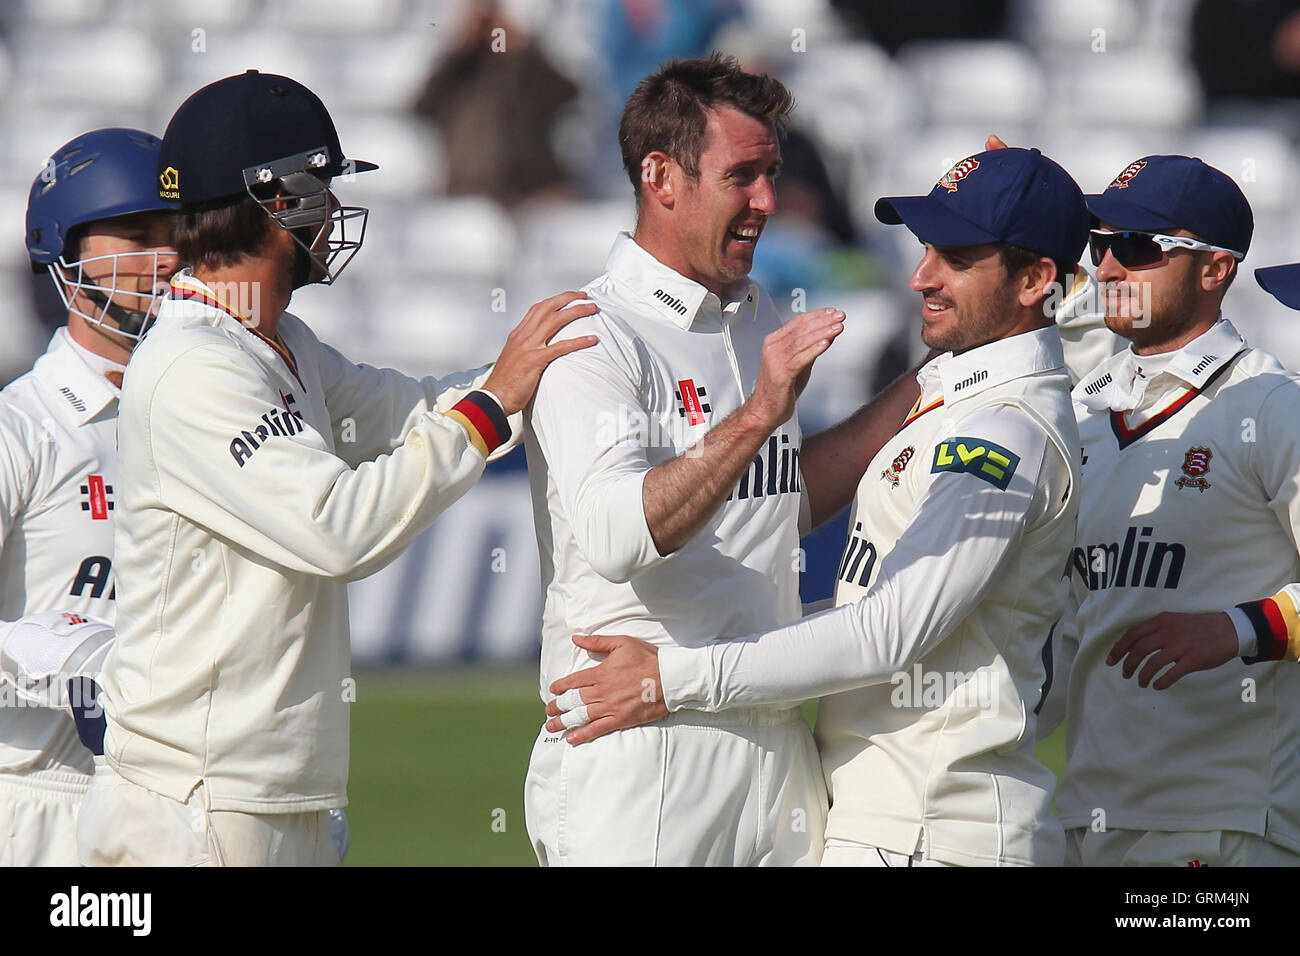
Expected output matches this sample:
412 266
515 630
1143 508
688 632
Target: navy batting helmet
271 138
98 175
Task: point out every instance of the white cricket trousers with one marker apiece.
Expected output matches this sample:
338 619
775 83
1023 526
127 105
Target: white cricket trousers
122 824
1087 847
847 853
38 818
741 788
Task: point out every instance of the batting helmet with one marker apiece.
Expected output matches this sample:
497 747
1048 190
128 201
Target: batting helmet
98 175
271 138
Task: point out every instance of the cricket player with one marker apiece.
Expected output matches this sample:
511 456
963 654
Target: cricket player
1085 339
95 222
670 483
949 585
1186 549
260 471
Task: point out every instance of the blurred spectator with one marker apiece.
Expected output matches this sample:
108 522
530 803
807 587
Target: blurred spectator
47 308
807 192
1247 48
640 35
891 23
495 97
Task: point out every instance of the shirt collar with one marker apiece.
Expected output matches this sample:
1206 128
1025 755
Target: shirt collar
189 296
668 293
1115 384
86 392
958 377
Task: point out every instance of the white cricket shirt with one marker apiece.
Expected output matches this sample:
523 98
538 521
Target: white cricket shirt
1191 503
672 362
948 590
255 481
58 499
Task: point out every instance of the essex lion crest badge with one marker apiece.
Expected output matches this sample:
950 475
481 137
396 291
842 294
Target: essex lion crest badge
952 177
895 469
1131 170
1196 464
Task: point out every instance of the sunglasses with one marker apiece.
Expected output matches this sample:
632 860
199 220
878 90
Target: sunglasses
1139 250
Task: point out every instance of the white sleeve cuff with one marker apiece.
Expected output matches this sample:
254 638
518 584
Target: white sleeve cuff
1247 641
684 677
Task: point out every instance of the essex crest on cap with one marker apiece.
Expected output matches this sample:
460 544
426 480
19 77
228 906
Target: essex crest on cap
1131 170
959 171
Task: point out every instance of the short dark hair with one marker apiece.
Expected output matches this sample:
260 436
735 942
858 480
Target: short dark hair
667 112
1014 258
221 233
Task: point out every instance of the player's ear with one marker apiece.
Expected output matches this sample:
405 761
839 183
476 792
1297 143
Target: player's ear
657 178
1215 270
1036 281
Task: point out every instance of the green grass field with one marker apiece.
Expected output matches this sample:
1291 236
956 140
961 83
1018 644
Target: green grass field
438 764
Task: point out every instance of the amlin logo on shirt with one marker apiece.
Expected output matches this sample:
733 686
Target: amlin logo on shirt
75 908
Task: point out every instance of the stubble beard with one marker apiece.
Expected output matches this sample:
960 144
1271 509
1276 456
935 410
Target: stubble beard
974 326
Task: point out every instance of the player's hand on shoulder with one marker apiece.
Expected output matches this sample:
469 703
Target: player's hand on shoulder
528 350
788 356
623 690
1190 642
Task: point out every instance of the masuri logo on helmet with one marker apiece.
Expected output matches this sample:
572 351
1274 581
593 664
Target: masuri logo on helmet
169 183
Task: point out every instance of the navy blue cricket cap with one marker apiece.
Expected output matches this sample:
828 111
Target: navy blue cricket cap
1160 193
1011 195
1281 282
248 122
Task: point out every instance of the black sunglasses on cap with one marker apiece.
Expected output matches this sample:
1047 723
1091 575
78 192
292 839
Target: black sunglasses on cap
1140 250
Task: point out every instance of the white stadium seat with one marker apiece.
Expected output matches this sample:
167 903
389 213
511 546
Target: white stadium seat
851 97
13 213
1261 161
333 16
385 72
187 15
231 51
463 236
62 11
1095 157
1143 89
408 151
50 66
1069 26
971 81
565 244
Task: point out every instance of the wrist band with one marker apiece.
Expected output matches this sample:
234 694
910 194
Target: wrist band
484 421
